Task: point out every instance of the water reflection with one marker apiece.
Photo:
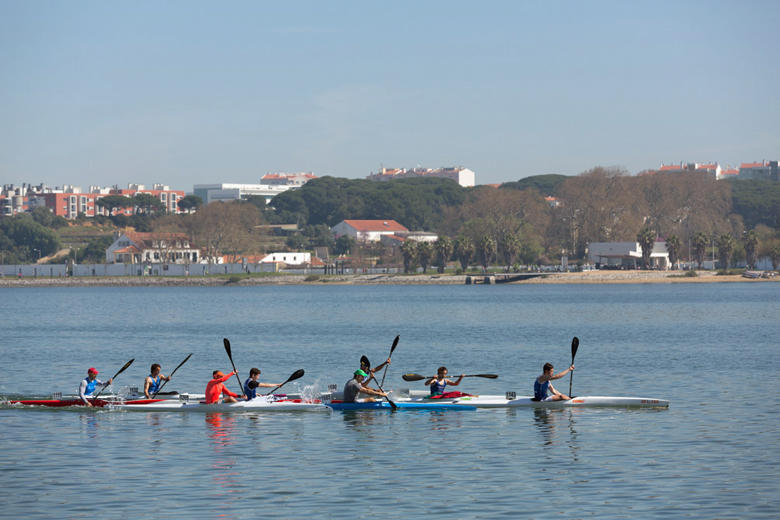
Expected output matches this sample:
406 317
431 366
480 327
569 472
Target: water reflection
89 420
557 426
220 428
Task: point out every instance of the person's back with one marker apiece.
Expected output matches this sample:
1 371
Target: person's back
351 390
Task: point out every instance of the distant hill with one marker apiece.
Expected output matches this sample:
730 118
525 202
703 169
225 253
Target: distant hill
544 184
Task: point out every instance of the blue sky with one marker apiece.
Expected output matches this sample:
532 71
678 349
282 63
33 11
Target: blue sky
187 92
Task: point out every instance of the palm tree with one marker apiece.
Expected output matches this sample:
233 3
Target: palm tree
486 250
464 251
699 242
774 255
424 255
725 246
444 248
751 248
673 247
510 248
646 239
409 252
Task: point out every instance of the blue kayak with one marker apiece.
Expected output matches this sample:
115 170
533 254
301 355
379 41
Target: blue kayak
384 405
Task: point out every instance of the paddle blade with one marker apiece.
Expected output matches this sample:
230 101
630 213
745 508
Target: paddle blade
296 375
125 367
486 376
575 343
364 361
412 377
226 342
395 344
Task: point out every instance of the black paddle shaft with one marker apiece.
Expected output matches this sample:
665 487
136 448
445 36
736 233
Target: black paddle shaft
575 343
170 376
120 371
226 342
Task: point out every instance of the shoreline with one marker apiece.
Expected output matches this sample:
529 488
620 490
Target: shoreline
587 277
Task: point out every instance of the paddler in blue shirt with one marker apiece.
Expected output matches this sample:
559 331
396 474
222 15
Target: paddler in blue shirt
542 385
90 384
153 381
439 382
251 384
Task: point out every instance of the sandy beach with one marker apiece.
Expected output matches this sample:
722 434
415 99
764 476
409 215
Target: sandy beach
587 277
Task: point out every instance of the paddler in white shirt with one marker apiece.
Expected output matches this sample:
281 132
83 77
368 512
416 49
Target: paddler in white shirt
153 380
90 384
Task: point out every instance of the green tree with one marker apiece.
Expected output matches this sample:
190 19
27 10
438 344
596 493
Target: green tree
725 244
646 239
148 204
774 255
673 246
425 253
189 203
699 243
751 249
26 240
486 251
112 203
444 248
46 218
463 249
409 252
95 250
344 244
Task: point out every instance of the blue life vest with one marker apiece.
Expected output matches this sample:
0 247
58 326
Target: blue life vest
438 388
251 393
155 386
91 385
540 390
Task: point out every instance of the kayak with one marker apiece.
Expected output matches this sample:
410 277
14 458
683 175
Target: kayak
255 405
499 401
98 403
403 405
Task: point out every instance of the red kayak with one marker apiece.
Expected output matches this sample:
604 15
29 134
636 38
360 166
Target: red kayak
99 403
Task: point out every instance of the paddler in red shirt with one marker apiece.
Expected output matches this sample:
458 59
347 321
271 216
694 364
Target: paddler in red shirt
216 387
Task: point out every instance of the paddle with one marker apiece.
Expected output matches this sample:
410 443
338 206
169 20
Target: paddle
120 371
575 343
418 377
230 356
295 375
395 344
364 360
170 376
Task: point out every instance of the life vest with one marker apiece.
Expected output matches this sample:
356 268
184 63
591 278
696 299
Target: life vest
91 385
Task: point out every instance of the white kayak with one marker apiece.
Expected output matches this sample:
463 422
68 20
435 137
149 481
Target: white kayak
255 405
501 401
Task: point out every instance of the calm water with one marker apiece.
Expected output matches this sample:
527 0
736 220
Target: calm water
709 348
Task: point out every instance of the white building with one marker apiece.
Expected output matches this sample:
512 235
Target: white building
270 186
288 258
625 254
367 230
131 247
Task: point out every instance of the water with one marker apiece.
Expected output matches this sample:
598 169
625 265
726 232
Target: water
711 349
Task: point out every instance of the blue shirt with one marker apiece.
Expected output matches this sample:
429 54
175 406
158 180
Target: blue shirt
251 393
540 390
155 386
438 388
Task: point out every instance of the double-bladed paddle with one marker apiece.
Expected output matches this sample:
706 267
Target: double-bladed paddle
418 377
295 375
575 343
170 376
112 379
395 344
364 360
230 356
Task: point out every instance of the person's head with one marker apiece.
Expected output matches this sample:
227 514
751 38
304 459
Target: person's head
442 372
360 375
547 368
217 374
156 369
92 373
254 373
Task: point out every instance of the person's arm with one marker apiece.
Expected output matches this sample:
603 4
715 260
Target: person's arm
228 392
225 378
147 384
267 385
553 390
381 365
560 375
430 381
371 391
456 383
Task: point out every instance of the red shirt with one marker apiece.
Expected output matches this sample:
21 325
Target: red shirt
216 387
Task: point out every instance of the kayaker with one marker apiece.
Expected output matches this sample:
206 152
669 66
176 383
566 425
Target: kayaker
543 387
439 382
90 384
371 371
355 386
216 388
251 384
153 381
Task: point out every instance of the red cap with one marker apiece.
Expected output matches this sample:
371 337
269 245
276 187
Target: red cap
92 370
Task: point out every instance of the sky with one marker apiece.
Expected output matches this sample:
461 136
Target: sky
190 92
